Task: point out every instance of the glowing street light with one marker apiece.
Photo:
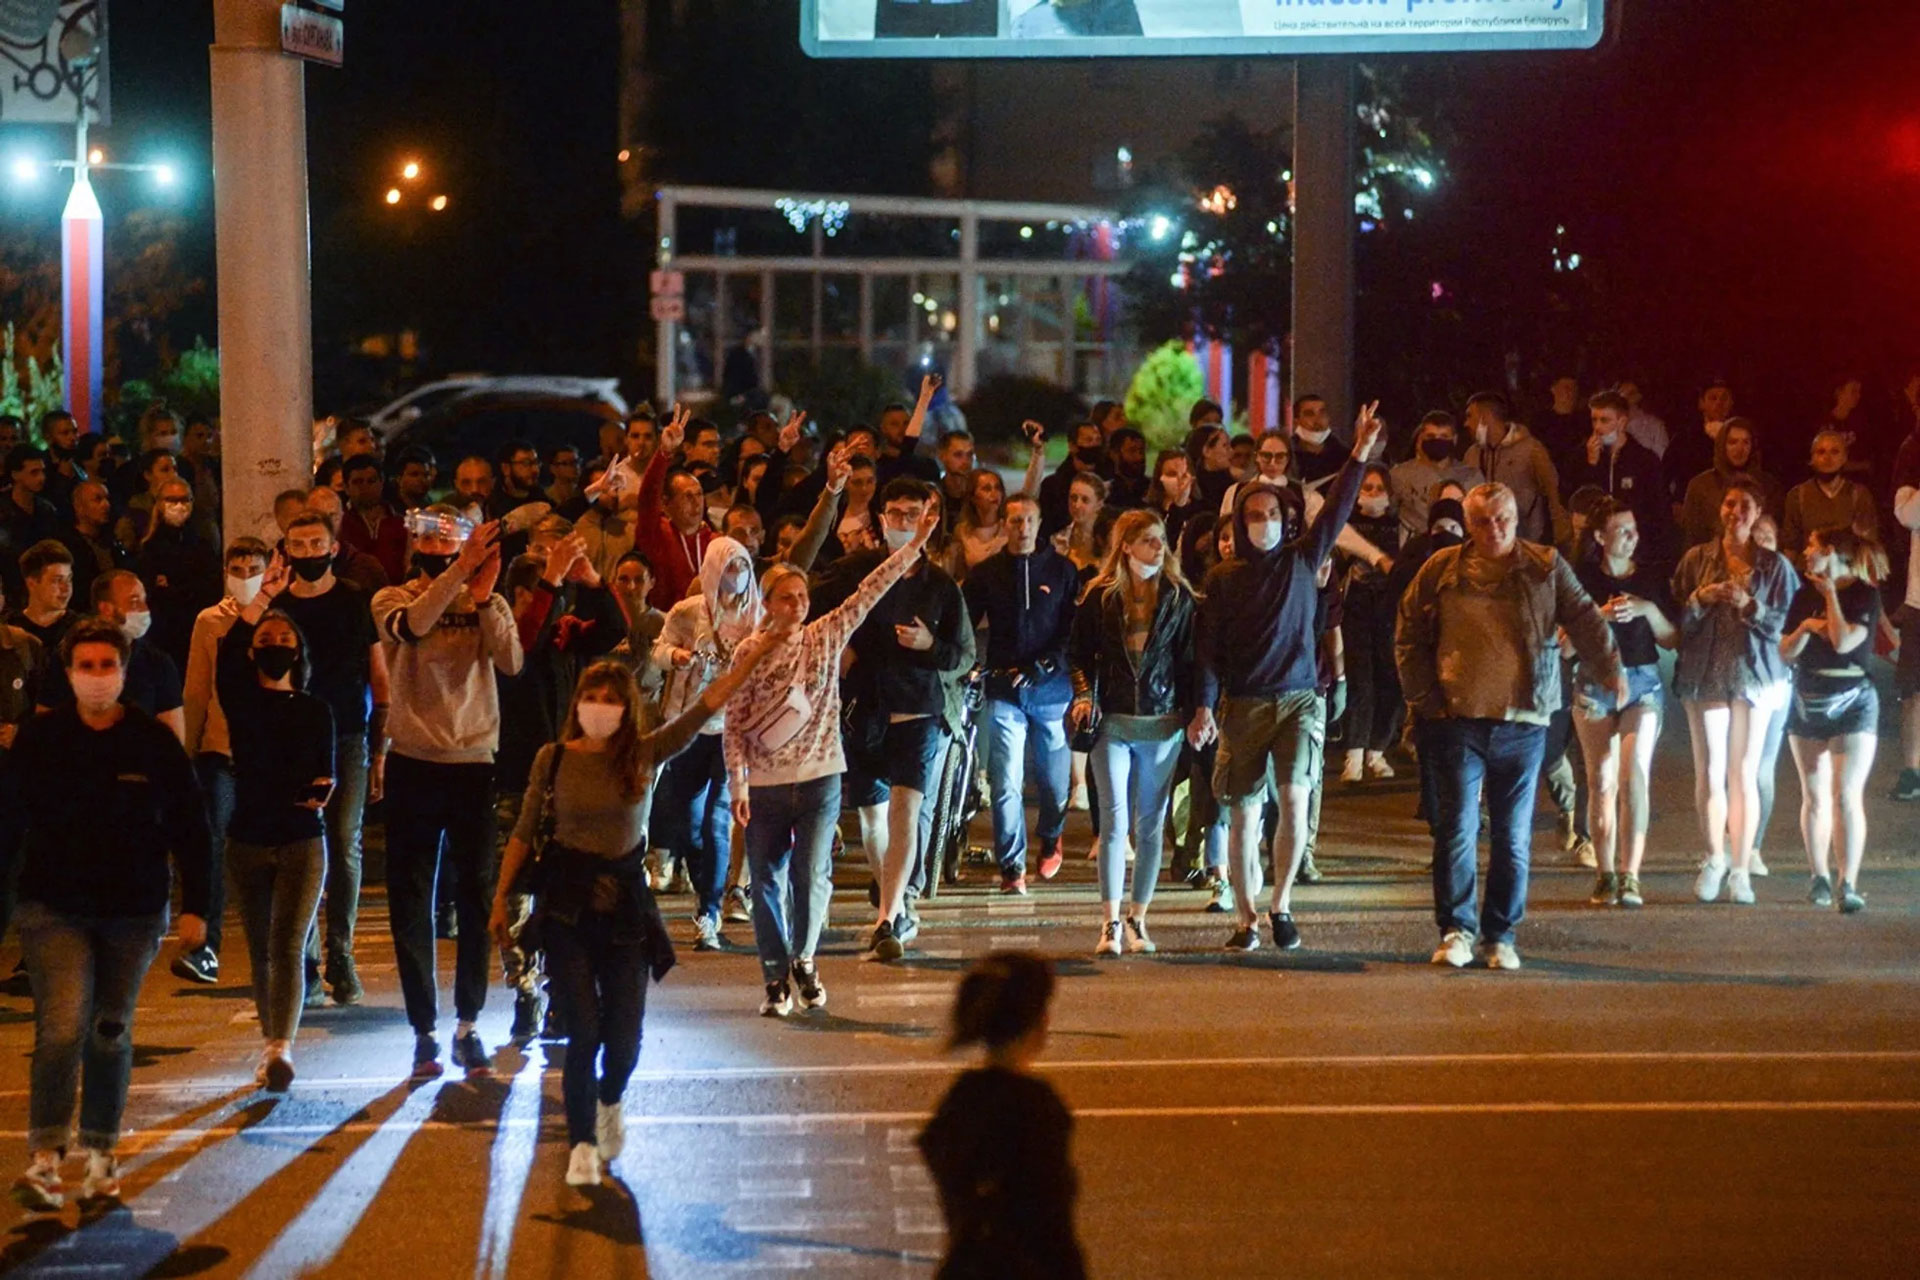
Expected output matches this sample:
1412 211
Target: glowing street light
96 156
437 204
410 170
163 175
25 169
393 195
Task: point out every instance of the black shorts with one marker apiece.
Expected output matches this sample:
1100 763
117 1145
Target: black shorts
910 756
1906 672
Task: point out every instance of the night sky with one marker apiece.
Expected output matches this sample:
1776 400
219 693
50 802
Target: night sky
1741 175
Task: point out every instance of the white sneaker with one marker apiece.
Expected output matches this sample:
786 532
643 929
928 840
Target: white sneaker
609 1131
1222 900
583 1166
1755 867
1353 769
1740 887
1109 944
1138 943
706 934
1501 955
1456 949
1586 855
103 1177
1377 766
1077 798
1713 873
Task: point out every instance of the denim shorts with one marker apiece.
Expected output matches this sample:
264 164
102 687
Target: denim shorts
913 751
1597 702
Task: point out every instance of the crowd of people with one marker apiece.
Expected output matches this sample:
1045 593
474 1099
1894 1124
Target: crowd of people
577 680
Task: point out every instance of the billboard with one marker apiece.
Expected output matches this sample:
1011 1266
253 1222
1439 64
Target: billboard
1149 28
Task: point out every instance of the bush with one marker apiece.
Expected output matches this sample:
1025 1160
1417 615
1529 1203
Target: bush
191 387
1162 393
29 387
840 390
1001 403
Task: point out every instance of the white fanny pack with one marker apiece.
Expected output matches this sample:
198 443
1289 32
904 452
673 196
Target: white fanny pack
777 725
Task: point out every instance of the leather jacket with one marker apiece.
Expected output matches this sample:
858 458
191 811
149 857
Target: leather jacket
1161 682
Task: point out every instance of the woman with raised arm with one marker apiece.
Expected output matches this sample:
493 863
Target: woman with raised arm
582 840
1833 721
784 761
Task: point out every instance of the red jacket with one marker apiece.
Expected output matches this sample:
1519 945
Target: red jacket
388 546
675 556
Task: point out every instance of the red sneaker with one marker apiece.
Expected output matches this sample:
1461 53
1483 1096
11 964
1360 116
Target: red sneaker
1052 855
1014 885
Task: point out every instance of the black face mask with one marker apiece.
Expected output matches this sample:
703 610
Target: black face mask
59 454
1091 457
431 565
310 568
1434 450
275 661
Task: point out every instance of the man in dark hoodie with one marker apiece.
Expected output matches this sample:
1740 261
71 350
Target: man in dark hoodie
1627 471
1256 650
1736 455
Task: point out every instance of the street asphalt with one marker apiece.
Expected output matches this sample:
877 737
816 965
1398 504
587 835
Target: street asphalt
1683 1090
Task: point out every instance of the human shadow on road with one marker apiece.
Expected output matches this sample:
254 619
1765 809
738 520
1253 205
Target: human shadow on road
115 1245
196 991
352 1020
1063 966
149 1055
820 1020
700 1231
612 1212
1301 961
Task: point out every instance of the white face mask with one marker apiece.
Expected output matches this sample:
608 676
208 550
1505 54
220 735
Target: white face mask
175 513
1143 570
95 693
1373 506
243 590
136 624
599 720
734 581
898 538
1314 438
1265 535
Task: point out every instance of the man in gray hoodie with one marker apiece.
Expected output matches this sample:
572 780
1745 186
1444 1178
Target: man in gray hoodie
446 632
1505 452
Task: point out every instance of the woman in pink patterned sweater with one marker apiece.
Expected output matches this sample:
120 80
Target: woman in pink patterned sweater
782 744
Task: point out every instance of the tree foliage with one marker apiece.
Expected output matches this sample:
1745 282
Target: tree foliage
1163 390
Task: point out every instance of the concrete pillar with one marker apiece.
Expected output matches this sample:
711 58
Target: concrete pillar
666 334
261 244
966 355
1323 285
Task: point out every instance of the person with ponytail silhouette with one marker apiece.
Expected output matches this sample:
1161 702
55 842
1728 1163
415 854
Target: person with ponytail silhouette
998 1144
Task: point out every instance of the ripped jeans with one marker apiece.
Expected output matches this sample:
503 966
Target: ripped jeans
86 973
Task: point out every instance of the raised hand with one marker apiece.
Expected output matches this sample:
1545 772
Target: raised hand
790 433
929 521
561 557
1035 433
674 434
929 385
1367 428
278 574
839 467
481 543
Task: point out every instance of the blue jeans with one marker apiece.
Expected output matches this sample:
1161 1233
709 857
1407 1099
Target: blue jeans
86 973
216 784
790 856
1136 782
693 817
1504 759
600 988
1043 714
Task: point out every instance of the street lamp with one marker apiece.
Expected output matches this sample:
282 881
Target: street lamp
410 170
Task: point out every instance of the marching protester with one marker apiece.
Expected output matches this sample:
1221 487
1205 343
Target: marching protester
1022 603
115 814
1833 723
785 759
1256 652
1475 648
446 631
1132 652
1617 737
1367 603
282 739
1732 595
579 850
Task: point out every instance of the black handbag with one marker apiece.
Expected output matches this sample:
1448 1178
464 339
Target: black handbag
527 880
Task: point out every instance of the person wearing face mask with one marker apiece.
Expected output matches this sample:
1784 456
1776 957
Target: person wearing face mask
1475 647
348 673
1317 455
1433 463
581 841
208 741
784 762
1021 602
1736 456
694 816
1132 662
1257 656
445 632
1088 456
1829 499
115 814
1615 464
1373 702
180 563
282 739
1127 456
154 468
149 679
1505 452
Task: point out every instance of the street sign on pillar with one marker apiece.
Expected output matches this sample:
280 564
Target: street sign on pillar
82 263
307 32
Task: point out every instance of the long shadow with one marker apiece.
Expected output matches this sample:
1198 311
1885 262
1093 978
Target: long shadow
1063 966
819 1020
198 991
114 1245
699 1230
354 1020
150 1055
612 1212
1300 961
